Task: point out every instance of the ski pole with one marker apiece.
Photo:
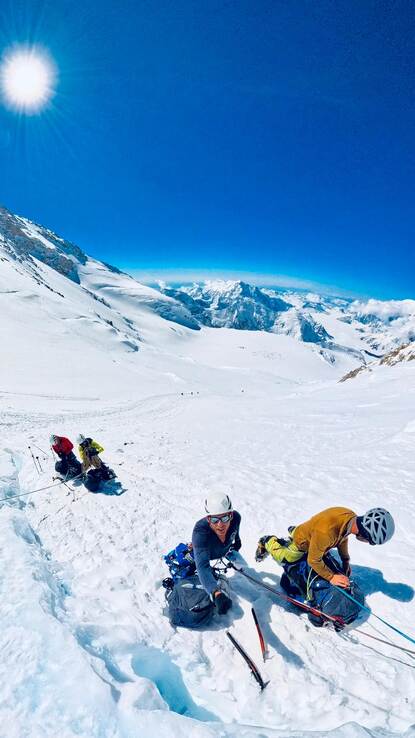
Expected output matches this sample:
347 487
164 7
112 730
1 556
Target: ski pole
34 460
45 454
38 461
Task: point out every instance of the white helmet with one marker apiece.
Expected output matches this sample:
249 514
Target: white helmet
218 503
376 525
80 439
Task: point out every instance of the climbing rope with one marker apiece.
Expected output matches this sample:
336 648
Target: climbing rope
386 642
336 620
370 611
40 489
230 565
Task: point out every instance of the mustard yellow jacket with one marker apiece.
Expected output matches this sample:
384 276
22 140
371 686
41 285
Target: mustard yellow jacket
328 529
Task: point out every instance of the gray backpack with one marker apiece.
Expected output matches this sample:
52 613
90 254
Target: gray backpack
189 604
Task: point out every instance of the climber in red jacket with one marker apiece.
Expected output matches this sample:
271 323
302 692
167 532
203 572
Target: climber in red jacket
68 466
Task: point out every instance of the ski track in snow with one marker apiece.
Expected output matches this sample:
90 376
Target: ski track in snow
97 566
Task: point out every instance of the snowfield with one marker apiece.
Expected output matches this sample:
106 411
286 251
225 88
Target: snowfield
86 648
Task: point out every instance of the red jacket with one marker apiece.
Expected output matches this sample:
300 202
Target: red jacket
63 446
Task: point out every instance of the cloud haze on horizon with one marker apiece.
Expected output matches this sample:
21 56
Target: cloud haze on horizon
186 276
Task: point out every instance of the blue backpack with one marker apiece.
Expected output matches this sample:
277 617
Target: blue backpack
331 601
299 579
181 562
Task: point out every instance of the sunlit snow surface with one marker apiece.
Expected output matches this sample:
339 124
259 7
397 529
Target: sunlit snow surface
86 649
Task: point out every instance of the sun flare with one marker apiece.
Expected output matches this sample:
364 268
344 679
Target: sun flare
27 79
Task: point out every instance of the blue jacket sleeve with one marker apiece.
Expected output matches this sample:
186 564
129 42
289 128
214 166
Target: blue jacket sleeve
202 559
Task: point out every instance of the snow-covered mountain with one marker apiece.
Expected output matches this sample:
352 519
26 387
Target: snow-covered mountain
28 248
329 325
302 326
82 312
236 304
367 329
231 304
114 308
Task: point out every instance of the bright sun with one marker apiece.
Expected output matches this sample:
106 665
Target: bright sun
27 79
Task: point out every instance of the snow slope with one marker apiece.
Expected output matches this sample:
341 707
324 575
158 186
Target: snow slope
63 333
89 571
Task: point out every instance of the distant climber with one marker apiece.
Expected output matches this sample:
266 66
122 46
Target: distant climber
89 451
68 465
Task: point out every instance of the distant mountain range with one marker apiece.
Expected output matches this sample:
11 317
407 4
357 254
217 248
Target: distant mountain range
365 329
330 325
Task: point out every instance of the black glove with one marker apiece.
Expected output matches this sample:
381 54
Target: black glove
222 602
261 553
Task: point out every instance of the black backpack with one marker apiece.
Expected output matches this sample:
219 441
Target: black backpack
69 466
189 605
93 480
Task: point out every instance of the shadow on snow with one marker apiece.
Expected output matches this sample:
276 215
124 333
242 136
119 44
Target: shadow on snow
111 488
372 580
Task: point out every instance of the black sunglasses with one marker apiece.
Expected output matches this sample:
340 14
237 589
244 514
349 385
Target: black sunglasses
220 518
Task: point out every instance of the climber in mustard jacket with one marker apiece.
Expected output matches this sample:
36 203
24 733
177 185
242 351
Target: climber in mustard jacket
328 529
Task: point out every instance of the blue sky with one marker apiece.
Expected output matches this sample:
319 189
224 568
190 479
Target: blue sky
235 136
